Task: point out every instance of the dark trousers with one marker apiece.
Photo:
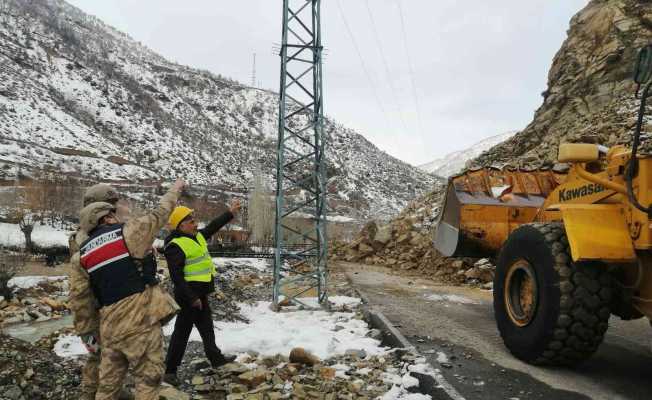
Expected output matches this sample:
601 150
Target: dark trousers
187 317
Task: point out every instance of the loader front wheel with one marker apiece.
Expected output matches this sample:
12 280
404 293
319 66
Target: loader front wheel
548 309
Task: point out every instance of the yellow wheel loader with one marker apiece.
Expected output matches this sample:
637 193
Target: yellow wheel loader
573 243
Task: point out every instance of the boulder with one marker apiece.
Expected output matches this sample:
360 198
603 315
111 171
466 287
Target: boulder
54 304
383 235
327 373
253 378
301 356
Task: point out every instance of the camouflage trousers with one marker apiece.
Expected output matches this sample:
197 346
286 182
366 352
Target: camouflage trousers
143 353
90 376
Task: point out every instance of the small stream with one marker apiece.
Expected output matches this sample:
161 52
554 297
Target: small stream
33 331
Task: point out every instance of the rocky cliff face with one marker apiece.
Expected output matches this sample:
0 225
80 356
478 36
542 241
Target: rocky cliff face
590 94
81 98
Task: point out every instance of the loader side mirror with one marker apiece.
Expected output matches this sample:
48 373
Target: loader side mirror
643 70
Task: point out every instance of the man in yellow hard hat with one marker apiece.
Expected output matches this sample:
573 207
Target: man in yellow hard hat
192 271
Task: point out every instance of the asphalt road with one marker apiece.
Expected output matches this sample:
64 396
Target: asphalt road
454 327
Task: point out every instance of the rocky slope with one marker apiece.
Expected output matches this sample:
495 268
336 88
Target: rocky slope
455 162
80 97
590 94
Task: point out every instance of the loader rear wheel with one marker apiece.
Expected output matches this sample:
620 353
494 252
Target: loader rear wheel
548 309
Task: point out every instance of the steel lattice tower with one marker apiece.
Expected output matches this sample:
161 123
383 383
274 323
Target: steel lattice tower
300 165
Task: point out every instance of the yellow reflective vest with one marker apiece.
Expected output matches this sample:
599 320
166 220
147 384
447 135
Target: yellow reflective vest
199 266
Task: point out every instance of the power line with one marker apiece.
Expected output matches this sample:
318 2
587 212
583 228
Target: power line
386 64
364 66
410 69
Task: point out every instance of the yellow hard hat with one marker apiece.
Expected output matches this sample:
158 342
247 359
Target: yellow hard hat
177 215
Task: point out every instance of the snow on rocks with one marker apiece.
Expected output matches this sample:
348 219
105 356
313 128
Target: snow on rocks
70 346
276 377
270 333
26 282
258 264
293 353
288 354
35 298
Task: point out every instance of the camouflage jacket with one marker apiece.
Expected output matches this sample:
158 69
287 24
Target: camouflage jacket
84 307
139 311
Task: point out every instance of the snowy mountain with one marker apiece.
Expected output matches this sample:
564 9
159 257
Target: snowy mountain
82 98
455 162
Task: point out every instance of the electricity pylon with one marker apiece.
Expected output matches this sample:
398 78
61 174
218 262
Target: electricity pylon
300 259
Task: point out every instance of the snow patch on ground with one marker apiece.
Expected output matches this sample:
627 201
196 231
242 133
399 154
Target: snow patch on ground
442 357
450 298
25 282
260 264
408 381
270 333
399 393
43 236
341 370
336 301
392 378
70 346
422 367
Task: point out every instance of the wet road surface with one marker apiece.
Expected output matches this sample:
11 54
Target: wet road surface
455 329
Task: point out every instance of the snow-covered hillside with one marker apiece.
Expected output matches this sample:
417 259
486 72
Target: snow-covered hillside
454 162
80 97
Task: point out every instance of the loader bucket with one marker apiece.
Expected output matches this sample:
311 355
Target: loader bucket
449 241
482 207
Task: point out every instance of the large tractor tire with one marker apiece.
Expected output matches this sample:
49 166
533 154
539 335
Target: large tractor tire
549 310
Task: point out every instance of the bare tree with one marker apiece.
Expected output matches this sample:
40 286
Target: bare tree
26 222
29 205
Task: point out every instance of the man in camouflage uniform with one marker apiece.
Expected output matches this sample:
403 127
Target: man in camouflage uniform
83 304
131 305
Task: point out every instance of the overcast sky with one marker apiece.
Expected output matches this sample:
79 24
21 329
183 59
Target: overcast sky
478 66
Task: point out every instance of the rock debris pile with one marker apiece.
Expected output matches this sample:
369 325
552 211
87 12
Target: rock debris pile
405 244
34 371
46 300
354 375
30 372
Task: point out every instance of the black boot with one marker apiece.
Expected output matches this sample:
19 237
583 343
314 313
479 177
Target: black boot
222 360
171 379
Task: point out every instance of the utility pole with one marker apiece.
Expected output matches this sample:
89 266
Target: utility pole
301 164
253 73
